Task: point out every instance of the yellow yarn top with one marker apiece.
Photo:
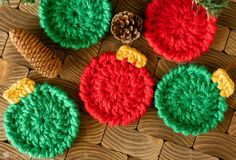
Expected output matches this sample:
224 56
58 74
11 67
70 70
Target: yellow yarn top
133 56
18 90
225 84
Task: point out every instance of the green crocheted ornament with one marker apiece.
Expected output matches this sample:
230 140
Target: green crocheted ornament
76 23
44 123
188 101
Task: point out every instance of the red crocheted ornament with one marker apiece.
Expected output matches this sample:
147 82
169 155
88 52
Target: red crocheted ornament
178 30
115 92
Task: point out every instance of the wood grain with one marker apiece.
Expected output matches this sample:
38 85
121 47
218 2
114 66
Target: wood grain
171 151
3 40
10 18
3 107
224 125
232 127
11 54
133 158
232 99
136 6
110 44
90 130
217 144
142 45
29 8
227 16
75 62
70 87
163 67
10 153
231 44
214 59
88 151
132 143
221 38
10 73
152 125
14 3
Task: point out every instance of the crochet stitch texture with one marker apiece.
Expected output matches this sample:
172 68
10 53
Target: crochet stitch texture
76 23
44 123
114 91
178 30
188 101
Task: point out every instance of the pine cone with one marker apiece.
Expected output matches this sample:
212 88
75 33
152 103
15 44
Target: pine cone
126 26
43 59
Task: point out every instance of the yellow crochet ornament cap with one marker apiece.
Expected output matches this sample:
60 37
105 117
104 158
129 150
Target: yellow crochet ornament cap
132 55
19 90
225 83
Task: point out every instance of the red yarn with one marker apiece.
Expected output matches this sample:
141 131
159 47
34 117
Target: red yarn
114 91
177 31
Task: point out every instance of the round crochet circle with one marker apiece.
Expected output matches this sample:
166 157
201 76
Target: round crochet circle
76 23
188 101
43 124
114 91
178 30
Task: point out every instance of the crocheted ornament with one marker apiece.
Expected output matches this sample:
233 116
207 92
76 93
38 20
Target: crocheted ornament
42 121
114 90
43 59
178 30
190 102
75 23
126 27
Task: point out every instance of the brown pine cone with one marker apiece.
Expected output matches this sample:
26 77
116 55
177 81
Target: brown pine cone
43 59
126 26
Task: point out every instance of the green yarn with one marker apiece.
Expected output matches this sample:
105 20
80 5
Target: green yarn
188 101
76 23
44 124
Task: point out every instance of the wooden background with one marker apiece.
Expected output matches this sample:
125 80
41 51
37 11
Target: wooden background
148 138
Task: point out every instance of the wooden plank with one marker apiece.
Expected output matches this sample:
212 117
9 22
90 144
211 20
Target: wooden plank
14 3
224 125
163 67
90 130
152 125
232 128
231 71
135 6
10 18
221 38
110 44
29 8
10 73
142 45
217 144
11 54
231 44
87 151
3 40
133 158
75 62
10 153
70 87
176 152
132 143
227 16
214 59
3 106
